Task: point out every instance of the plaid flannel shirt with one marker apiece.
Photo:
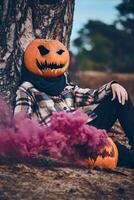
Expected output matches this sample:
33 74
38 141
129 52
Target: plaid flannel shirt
40 105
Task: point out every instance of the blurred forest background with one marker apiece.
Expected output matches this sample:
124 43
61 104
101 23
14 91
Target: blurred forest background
107 47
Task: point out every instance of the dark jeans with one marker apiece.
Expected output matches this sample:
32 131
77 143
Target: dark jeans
108 112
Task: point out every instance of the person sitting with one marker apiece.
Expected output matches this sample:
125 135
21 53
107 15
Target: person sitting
45 88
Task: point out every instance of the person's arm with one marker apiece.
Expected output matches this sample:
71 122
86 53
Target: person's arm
87 96
23 102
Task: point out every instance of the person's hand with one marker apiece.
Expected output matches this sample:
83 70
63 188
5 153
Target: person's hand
119 92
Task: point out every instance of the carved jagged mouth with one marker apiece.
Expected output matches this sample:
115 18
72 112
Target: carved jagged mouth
43 66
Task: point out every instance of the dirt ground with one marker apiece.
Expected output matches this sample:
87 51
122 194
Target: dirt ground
19 181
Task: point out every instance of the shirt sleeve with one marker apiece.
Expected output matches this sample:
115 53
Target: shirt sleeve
87 96
23 102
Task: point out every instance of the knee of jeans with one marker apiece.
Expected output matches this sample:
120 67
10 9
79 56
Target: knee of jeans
129 98
109 99
127 102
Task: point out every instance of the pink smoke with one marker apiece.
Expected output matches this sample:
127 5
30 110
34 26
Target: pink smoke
67 138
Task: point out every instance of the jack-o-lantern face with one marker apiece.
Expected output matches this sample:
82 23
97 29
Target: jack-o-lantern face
107 158
48 58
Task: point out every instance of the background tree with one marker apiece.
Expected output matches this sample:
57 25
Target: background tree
126 17
108 47
20 22
126 20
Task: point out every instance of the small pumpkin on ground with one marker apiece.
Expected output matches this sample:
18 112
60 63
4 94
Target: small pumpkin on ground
48 58
107 158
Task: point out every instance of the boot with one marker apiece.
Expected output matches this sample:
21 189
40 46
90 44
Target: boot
126 156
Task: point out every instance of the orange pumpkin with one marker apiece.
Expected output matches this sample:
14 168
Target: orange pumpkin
48 58
107 158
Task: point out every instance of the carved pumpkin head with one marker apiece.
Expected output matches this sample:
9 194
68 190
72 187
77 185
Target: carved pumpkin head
48 58
107 158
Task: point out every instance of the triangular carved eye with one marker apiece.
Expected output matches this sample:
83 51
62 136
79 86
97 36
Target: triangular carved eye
60 51
43 51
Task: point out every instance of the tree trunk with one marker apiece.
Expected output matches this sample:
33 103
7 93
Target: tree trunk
20 22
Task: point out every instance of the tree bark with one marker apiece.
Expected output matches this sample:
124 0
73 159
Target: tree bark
21 21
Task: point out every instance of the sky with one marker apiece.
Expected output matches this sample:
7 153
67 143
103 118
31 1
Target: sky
103 10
